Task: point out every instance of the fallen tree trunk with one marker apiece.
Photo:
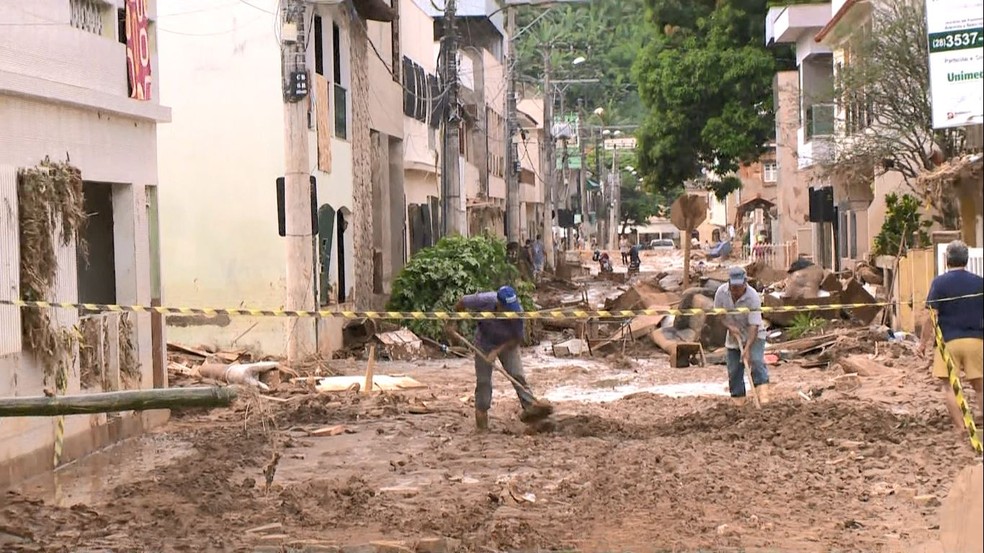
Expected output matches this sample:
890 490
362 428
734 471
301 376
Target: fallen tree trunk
111 402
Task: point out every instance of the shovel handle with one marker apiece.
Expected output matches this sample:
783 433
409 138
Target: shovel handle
494 362
748 371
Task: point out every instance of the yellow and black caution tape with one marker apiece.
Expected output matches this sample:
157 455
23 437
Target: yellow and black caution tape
431 315
954 378
442 315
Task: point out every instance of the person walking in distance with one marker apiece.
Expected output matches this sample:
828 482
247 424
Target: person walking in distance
539 257
961 321
745 342
499 338
623 247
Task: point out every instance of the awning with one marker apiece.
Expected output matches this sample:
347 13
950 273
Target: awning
757 202
526 120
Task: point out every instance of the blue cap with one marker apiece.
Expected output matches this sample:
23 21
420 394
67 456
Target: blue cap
508 299
737 276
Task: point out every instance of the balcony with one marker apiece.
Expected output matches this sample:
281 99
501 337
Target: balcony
819 121
786 24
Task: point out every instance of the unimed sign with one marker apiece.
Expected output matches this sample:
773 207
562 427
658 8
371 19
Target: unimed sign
138 49
956 61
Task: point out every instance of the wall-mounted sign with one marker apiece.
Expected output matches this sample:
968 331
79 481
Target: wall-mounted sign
956 61
620 143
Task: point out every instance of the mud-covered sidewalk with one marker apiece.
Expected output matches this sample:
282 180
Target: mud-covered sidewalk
848 471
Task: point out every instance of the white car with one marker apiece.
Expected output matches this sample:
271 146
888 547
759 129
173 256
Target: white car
663 244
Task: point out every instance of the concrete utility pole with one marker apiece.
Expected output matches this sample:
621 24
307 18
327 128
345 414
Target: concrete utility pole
454 214
549 156
582 189
297 184
513 224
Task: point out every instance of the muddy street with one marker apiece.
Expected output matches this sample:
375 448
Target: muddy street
643 472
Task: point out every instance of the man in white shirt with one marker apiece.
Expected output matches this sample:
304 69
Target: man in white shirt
745 342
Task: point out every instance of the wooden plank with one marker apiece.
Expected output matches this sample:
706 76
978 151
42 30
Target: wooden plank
961 512
186 349
323 115
367 387
112 378
380 382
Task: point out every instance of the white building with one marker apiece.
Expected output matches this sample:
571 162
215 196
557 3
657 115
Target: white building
65 95
225 150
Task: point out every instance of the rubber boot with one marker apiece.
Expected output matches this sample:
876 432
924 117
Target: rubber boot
481 421
763 393
738 401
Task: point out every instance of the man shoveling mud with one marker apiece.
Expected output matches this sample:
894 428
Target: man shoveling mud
500 339
745 342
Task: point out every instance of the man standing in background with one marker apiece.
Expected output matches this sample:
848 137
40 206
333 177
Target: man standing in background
961 321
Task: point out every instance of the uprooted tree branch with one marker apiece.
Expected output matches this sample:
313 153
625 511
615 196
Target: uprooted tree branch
883 90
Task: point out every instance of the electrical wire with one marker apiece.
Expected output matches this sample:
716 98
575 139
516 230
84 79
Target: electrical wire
255 7
199 10
215 33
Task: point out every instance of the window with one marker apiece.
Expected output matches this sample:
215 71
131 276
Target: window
434 113
341 94
90 16
319 46
96 270
409 90
341 112
336 53
770 172
121 37
853 229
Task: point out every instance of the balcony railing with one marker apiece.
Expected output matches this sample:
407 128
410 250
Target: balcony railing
820 120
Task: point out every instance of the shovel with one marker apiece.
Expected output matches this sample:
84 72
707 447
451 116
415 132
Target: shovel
538 410
748 373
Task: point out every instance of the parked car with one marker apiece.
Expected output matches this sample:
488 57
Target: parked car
664 244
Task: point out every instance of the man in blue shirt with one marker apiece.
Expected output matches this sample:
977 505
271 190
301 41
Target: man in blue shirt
497 338
961 322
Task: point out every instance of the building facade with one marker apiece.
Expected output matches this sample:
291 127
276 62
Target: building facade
69 94
232 254
805 127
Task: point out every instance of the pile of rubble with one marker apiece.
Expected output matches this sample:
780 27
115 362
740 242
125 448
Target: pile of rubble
699 338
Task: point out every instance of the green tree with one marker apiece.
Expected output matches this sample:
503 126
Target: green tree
903 228
638 205
435 278
607 34
706 78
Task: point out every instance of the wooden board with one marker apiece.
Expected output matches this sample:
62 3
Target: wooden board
961 513
323 115
380 382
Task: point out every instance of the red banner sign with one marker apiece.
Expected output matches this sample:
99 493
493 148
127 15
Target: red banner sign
138 49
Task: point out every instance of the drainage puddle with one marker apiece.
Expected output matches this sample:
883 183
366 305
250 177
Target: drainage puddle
91 478
617 392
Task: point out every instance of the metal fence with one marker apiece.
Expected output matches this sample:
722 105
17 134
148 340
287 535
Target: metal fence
777 256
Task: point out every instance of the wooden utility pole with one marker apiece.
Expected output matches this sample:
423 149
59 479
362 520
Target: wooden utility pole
297 184
114 402
551 161
513 225
454 213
